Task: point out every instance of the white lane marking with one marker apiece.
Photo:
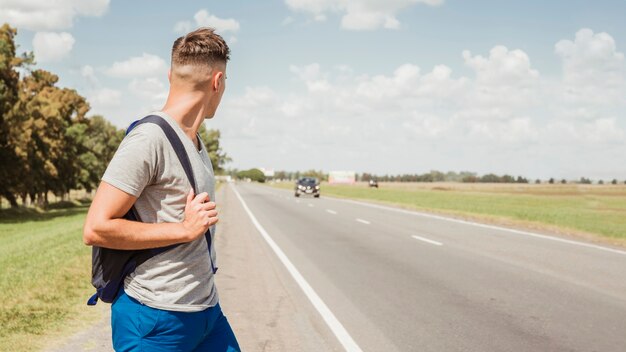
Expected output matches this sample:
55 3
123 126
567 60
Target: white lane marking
492 227
363 221
311 205
297 200
427 240
333 323
331 211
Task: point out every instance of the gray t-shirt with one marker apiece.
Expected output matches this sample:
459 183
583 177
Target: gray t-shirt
146 166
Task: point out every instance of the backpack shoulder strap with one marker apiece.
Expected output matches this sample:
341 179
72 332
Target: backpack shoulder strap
174 140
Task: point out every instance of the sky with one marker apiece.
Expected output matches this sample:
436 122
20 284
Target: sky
531 88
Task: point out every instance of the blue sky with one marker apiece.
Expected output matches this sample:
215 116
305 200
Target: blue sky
533 88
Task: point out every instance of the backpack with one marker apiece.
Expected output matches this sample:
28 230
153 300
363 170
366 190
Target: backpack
109 267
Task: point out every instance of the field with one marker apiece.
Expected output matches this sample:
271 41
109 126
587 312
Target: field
45 272
595 212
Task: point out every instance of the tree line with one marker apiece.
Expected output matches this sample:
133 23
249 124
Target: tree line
47 141
431 176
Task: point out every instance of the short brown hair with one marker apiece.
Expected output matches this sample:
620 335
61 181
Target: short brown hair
200 47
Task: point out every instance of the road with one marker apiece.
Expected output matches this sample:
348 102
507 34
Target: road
400 281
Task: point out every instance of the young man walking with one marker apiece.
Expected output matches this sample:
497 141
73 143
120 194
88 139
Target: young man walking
169 302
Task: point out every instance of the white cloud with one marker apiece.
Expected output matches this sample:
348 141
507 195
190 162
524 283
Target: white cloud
149 88
103 98
505 117
139 66
358 14
182 27
50 46
203 18
593 69
88 73
46 15
504 78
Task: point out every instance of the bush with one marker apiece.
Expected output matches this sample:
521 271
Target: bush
252 174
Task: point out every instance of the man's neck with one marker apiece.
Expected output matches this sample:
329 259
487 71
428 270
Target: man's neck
188 111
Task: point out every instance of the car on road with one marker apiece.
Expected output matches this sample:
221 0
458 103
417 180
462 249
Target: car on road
373 183
307 185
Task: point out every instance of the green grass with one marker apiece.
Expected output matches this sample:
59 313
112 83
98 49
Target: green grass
45 272
595 210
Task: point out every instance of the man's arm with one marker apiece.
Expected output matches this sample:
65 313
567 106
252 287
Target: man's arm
105 226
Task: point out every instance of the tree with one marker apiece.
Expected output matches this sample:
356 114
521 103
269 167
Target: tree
551 180
211 140
507 179
253 174
51 124
9 87
490 178
614 182
98 145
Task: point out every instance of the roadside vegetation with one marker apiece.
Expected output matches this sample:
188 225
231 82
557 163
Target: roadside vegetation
592 211
44 275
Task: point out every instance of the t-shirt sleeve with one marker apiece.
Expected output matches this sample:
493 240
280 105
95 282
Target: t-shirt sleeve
135 162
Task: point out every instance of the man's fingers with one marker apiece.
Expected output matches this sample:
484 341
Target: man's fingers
208 206
190 196
201 198
212 213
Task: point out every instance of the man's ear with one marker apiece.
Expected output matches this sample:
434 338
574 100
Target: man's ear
217 80
169 75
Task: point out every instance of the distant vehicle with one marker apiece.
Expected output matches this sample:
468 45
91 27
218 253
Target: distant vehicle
308 185
373 183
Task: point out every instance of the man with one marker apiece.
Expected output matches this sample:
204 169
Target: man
169 303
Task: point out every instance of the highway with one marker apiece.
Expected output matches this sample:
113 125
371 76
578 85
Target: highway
397 280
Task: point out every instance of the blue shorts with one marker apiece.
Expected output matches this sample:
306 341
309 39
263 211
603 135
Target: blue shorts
137 327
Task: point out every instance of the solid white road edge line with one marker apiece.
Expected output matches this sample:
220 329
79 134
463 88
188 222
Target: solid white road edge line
331 211
492 227
363 221
333 323
427 240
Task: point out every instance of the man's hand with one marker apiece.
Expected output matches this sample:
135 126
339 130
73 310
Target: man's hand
200 214
106 227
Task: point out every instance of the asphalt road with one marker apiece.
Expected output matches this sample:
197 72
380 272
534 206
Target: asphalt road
401 281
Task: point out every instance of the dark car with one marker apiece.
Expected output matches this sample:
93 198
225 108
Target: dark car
373 183
308 185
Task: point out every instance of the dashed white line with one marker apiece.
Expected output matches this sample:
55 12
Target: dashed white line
363 221
485 226
333 323
311 205
331 211
427 240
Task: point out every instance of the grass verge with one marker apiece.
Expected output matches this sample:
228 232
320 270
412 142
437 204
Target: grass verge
45 275
595 212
